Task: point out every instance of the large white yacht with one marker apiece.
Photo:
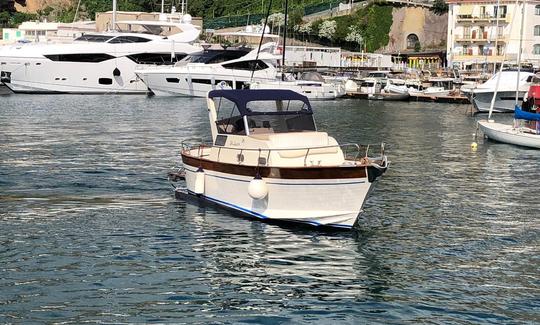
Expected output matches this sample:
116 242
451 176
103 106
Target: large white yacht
212 69
98 63
482 94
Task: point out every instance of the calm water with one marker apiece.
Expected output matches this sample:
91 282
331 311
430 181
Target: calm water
90 231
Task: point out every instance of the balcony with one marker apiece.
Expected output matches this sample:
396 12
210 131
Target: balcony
478 58
483 19
483 38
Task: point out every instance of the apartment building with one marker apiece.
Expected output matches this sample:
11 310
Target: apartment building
484 33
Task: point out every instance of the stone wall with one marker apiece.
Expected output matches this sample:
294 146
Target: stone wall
427 26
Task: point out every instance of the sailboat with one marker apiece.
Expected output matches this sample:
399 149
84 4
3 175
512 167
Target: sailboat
518 133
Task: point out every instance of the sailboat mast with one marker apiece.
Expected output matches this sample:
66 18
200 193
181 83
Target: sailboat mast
113 15
284 41
497 32
519 49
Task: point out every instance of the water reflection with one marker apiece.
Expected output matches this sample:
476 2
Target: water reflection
91 232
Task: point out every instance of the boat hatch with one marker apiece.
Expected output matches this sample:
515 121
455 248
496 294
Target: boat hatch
245 112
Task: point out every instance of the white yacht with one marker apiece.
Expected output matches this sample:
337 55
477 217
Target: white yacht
267 160
98 63
481 95
212 69
310 84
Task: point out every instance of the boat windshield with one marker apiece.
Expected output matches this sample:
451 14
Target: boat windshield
214 56
94 38
281 114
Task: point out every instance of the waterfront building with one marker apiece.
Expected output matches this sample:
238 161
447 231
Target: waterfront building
36 31
482 34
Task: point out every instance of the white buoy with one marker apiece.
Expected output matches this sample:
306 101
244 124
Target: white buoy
257 188
198 187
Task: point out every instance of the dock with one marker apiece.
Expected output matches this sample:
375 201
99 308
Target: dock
454 99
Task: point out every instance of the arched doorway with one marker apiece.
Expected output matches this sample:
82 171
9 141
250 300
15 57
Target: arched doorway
412 39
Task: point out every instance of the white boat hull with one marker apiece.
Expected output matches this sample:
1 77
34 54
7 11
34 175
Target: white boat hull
319 202
312 90
508 134
40 75
504 102
198 82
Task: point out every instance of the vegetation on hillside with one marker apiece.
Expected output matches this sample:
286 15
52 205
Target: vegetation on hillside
440 7
366 29
199 8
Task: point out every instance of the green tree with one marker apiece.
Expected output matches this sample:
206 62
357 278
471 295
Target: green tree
4 18
440 7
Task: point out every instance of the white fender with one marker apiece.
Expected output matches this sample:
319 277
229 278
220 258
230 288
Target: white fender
257 188
198 187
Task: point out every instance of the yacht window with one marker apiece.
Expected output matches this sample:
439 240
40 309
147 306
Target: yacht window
105 81
94 38
215 56
173 80
155 58
247 65
202 81
80 57
129 39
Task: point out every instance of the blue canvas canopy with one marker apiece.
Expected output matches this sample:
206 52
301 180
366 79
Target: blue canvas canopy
241 97
521 115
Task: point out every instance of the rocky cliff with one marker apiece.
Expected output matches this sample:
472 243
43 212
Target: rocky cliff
32 6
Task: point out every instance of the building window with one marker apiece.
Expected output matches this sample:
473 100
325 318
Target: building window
502 13
412 39
536 49
537 30
537 10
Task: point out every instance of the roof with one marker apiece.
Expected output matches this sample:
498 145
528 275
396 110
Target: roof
241 97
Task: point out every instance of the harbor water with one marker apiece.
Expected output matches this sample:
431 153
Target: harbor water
90 230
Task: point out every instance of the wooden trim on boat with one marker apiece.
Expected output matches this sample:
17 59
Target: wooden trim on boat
279 172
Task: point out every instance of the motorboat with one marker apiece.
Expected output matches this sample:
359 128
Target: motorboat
525 131
267 160
201 72
98 62
436 87
312 85
481 95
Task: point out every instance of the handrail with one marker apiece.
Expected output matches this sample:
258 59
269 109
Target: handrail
200 147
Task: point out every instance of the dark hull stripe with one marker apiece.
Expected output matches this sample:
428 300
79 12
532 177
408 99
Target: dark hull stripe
285 172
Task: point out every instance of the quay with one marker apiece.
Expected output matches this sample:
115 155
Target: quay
456 99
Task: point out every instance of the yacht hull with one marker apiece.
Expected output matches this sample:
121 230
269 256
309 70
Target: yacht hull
197 84
312 90
330 202
508 134
40 75
504 102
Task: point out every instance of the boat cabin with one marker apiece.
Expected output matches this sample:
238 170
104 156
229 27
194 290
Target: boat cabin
273 124
248 112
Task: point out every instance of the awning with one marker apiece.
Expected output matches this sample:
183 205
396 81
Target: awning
466 10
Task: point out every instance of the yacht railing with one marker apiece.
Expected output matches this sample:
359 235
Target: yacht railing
351 151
